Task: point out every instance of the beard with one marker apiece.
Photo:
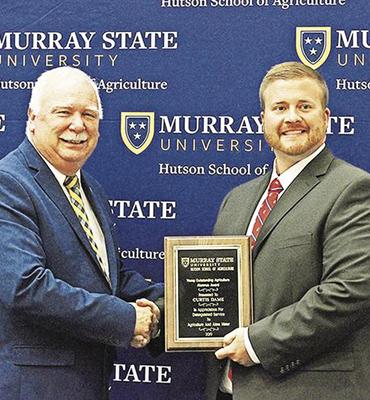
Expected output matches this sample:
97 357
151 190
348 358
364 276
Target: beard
306 142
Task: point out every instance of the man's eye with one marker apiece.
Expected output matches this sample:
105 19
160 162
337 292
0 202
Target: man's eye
306 107
279 108
90 115
62 112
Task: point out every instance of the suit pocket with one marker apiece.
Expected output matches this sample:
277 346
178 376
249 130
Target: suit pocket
42 356
335 361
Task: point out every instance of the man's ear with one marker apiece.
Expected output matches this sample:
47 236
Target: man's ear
327 114
31 119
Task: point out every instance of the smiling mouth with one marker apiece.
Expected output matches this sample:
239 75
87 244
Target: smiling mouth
74 141
294 132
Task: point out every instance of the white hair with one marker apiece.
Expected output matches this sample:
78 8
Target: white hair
59 73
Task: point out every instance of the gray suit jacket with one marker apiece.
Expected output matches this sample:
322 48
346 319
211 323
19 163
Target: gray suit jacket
311 277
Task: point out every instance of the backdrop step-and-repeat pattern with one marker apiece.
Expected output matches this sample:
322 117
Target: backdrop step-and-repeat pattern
179 83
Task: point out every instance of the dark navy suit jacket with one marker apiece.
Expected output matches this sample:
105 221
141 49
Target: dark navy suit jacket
59 319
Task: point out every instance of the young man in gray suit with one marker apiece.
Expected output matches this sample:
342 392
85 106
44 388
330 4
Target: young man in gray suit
309 222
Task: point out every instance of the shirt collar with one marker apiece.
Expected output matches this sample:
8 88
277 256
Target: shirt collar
288 176
60 177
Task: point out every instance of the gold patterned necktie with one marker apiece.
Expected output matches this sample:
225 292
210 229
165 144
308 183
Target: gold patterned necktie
72 185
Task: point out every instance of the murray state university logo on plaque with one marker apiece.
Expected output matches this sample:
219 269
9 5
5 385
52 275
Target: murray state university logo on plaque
313 44
185 261
137 130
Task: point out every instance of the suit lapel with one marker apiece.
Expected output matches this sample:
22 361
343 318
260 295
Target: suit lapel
47 181
296 191
249 204
104 222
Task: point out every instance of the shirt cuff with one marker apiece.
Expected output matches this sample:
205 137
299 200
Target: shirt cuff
249 348
156 334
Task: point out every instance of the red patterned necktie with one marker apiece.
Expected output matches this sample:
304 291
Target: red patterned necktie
267 205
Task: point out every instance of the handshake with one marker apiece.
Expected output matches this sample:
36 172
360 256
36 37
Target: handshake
147 320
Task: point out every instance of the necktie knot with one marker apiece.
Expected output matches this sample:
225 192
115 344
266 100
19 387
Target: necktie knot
71 182
275 186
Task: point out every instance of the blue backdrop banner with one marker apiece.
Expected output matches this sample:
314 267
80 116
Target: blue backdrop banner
179 84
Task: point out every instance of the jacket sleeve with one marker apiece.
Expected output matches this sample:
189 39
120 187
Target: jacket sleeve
133 286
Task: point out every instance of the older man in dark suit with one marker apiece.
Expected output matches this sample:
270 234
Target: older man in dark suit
65 299
309 222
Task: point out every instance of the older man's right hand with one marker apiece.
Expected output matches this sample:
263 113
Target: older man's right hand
143 326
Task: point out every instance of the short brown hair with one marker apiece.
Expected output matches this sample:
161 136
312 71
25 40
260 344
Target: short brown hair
293 70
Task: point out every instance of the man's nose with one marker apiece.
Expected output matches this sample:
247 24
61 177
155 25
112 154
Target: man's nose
292 115
77 124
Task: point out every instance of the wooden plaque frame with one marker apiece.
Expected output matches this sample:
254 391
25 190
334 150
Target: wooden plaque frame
205 269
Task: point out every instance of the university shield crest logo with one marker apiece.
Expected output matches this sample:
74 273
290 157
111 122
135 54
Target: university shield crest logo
313 44
137 130
185 261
